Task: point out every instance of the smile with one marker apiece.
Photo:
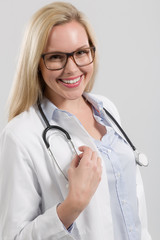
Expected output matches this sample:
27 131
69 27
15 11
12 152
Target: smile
71 81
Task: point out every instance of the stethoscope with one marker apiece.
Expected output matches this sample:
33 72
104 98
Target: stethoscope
140 158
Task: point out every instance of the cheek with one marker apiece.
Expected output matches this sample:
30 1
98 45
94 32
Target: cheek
49 77
89 70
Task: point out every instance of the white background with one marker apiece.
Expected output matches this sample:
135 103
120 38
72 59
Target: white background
128 34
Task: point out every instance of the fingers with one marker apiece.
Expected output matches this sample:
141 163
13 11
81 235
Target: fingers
84 176
94 156
85 157
87 152
75 161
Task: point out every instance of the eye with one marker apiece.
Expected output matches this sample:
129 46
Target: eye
54 57
82 52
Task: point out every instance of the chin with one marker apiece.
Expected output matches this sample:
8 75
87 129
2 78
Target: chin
73 96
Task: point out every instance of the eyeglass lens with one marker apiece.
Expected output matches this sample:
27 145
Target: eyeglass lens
57 60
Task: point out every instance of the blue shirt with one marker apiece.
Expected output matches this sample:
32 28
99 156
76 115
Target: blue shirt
121 172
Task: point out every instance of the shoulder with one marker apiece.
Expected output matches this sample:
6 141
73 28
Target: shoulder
23 127
23 120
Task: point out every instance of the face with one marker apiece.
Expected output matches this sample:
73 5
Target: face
68 83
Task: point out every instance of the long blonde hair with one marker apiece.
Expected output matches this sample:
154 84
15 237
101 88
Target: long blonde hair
28 84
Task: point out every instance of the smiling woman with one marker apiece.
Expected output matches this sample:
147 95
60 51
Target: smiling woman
88 190
70 76
29 84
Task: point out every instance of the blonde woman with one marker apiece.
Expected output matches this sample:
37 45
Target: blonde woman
77 179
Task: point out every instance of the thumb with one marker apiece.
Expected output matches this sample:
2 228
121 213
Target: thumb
75 161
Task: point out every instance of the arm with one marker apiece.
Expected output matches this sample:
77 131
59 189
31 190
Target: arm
84 176
20 197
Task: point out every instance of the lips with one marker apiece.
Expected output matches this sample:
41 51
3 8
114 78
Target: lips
71 82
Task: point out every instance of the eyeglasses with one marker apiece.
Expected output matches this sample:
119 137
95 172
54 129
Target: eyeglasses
58 60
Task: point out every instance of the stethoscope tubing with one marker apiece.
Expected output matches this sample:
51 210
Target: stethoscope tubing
50 127
121 129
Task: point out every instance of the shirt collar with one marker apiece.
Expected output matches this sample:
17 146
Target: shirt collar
50 109
96 103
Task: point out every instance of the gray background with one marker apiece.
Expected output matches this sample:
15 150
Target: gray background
128 34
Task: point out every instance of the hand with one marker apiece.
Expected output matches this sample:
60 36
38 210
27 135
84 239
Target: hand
84 176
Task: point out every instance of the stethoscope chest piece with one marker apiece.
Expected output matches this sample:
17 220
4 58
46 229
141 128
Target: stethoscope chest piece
141 159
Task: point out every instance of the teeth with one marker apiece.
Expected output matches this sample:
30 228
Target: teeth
71 81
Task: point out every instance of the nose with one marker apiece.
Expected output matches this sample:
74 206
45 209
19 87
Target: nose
70 65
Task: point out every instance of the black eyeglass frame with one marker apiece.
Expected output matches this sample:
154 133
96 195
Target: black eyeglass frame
71 54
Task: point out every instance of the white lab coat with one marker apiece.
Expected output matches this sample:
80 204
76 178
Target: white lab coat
31 186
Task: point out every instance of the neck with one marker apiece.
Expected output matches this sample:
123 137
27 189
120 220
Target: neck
73 106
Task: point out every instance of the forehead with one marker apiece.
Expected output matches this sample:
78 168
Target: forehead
67 37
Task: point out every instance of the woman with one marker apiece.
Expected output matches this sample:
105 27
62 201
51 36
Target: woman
92 190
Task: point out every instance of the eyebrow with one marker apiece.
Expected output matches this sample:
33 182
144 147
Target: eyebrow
57 51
